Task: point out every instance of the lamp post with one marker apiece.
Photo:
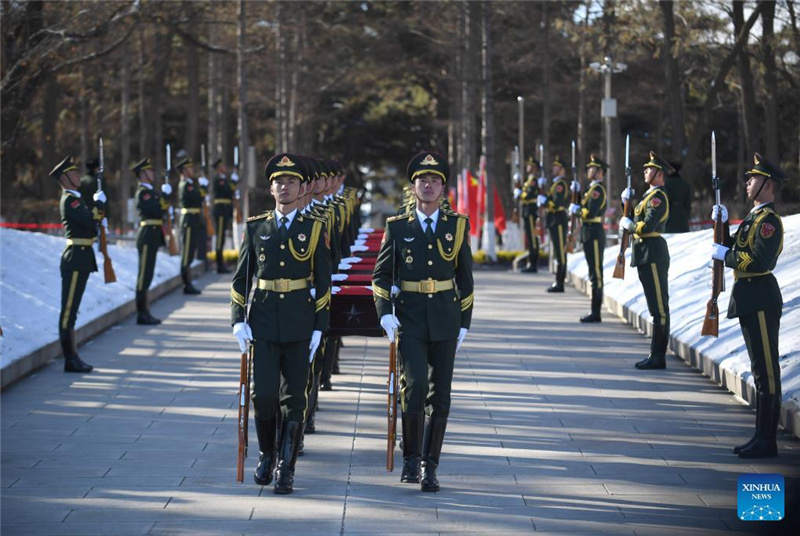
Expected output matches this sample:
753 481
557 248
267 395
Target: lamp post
608 109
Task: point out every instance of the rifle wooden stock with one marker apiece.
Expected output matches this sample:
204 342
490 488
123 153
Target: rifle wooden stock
237 212
619 268
210 231
573 224
391 406
109 276
244 414
169 233
711 321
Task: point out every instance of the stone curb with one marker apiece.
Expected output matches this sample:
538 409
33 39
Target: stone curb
733 382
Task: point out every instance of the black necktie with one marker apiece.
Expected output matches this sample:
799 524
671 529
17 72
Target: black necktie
429 229
283 229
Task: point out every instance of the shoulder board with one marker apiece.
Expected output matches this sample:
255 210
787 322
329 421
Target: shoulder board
263 215
399 217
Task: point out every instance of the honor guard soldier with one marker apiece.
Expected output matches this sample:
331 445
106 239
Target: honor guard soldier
680 201
650 255
288 254
191 201
592 210
224 192
426 254
89 183
555 203
756 298
528 196
149 236
78 259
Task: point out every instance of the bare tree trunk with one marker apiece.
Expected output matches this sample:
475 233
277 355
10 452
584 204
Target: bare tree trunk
49 121
161 66
466 112
582 152
193 98
487 128
748 95
742 152
673 85
214 149
84 108
144 137
224 110
770 82
294 64
244 140
124 139
545 33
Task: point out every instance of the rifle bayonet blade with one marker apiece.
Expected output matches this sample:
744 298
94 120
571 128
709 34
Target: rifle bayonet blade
713 155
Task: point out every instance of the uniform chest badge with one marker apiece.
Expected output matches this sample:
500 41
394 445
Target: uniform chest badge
746 228
264 238
409 259
767 230
409 239
595 194
75 204
655 202
448 237
262 258
301 237
559 188
146 197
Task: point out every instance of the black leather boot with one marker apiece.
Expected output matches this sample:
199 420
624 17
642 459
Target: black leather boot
765 444
290 441
658 349
558 286
752 440
221 264
188 288
597 301
431 450
265 430
311 416
72 362
413 425
143 316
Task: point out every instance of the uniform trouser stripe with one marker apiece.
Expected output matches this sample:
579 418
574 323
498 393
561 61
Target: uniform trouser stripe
534 236
187 240
662 313
70 297
220 232
598 270
563 250
142 266
762 324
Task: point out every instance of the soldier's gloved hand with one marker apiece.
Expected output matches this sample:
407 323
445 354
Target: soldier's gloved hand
390 324
541 200
359 248
718 252
719 209
202 181
627 193
335 289
339 277
316 337
166 189
243 334
235 177
359 242
313 292
517 193
344 266
395 290
100 196
575 186
366 230
574 208
351 260
105 223
461 336
171 211
542 182
626 223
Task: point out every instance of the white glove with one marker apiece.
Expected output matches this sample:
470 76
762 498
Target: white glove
542 181
313 292
316 337
171 211
366 230
235 177
335 289
344 266
574 208
575 186
359 241
389 323
351 260
626 223
517 193
718 252
166 189
362 236
339 277
99 195
395 290
359 248
718 208
243 334
461 336
104 223
627 193
541 200
202 181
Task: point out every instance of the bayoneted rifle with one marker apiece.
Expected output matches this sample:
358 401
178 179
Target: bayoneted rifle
711 321
109 275
168 228
619 268
206 212
541 219
237 211
575 199
391 391
244 394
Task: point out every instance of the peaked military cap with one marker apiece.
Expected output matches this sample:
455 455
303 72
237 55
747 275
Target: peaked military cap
183 162
284 164
557 161
762 166
428 162
217 162
315 169
68 164
141 165
532 162
92 164
596 162
658 163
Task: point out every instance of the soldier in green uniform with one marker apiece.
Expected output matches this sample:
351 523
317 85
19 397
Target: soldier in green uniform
203 237
224 192
592 210
528 196
650 255
191 202
555 203
756 298
78 259
288 253
680 201
426 260
89 183
149 236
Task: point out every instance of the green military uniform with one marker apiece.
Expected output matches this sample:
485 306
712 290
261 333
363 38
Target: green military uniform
149 238
432 266
650 256
202 234
680 203
757 302
224 192
283 315
77 262
190 198
556 206
530 213
89 184
593 236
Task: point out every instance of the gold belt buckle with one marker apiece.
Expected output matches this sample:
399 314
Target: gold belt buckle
427 286
282 285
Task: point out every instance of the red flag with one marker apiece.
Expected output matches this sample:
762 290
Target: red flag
499 213
472 204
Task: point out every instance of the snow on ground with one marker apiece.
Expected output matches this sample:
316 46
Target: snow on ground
30 288
690 290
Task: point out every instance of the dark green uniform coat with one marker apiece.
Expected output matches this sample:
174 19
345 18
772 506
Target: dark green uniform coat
150 235
224 189
557 201
191 203
530 213
593 234
650 254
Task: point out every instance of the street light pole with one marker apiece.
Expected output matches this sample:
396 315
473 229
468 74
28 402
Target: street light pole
608 109
521 102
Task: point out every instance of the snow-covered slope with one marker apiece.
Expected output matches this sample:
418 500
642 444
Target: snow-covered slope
30 289
690 289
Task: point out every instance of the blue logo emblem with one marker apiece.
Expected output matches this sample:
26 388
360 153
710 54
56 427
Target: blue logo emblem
760 497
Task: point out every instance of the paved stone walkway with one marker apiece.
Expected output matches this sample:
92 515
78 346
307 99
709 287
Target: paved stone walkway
552 430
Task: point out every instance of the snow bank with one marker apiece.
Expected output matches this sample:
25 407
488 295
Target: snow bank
30 289
690 290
